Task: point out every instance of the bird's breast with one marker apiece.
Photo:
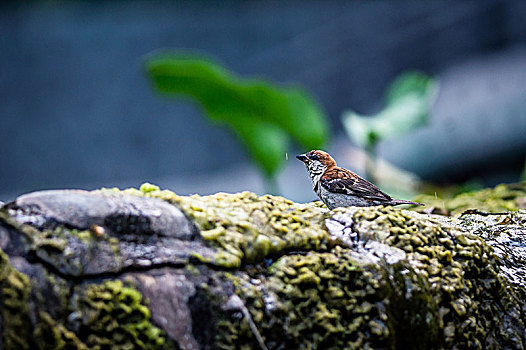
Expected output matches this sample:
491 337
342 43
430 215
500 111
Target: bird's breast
316 187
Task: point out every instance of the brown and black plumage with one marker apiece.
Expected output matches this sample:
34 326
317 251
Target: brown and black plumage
339 187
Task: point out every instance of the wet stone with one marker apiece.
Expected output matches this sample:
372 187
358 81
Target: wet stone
507 235
88 233
148 269
120 213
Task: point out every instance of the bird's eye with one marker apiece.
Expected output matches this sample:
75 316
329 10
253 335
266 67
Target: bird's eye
314 157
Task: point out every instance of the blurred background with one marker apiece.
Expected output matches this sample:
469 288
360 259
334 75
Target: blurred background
78 110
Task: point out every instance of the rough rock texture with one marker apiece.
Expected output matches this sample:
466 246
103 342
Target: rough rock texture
506 233
147 269
502 198
83 233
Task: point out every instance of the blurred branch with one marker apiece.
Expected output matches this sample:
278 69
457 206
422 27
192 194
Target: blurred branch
408 106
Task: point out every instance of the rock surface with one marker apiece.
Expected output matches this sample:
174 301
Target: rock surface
147 269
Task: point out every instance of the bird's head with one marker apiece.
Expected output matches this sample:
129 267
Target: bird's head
317 161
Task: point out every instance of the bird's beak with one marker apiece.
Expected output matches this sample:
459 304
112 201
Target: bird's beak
302 157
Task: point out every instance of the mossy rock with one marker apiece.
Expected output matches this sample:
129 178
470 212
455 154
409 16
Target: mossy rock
148 269
502 198
14 306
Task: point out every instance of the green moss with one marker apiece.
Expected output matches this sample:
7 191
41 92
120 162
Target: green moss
475 303
51 245
61 234
51 335
108 315
14 294
114 315
322 300
502 198
51 239
445 291
506 234
29 232
247 227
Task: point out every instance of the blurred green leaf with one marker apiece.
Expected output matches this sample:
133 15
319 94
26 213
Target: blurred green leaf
408 105
264 116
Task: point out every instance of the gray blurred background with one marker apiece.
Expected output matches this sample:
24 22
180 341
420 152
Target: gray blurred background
76 109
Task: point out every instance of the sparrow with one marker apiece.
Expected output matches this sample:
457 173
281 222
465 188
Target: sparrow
339 187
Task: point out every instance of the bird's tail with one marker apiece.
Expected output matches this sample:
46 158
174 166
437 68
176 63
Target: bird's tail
401 201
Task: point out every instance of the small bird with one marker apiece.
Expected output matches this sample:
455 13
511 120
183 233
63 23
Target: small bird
339 187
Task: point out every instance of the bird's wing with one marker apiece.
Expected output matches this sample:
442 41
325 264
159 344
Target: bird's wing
340 180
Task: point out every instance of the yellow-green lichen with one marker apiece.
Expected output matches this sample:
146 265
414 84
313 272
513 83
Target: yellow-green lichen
445 292
111 315
51 335
57 238
14 309
114 315
29 232
502 198
247 227
461 269
313 301
55 245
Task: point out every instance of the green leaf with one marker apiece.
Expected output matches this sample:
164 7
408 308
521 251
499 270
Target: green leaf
408 83
408 106
307 122
263 116
266 142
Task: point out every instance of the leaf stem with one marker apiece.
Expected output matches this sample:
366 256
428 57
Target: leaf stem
370 161
271 185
